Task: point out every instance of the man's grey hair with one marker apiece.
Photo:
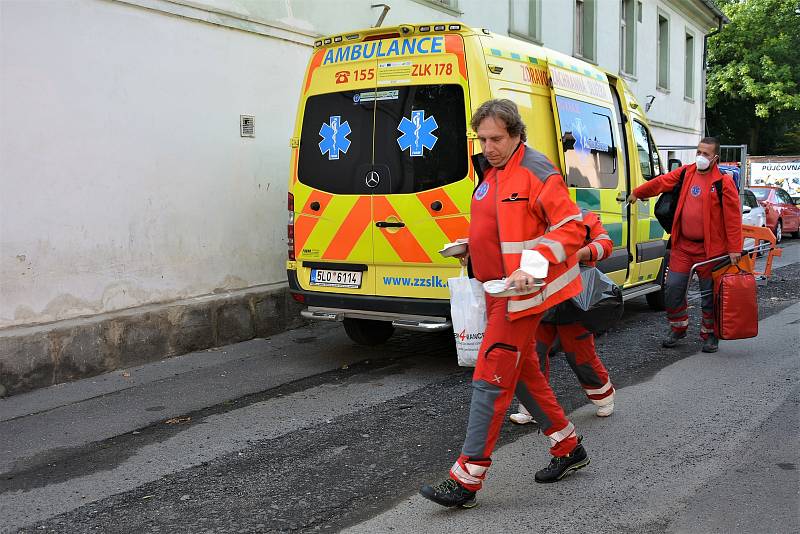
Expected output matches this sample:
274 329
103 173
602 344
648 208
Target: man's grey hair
504 110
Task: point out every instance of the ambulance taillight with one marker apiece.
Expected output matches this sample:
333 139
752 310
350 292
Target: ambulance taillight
290 228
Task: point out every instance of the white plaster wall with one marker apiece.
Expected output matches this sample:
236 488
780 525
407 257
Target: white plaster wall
123 177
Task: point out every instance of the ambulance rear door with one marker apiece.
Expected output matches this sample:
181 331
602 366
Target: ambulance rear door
421 163
333 205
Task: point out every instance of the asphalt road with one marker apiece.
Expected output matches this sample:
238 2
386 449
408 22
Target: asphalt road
307 432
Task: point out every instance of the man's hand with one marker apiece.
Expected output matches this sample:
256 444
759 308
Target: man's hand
584 254
520 280
631 199
463 258
735 257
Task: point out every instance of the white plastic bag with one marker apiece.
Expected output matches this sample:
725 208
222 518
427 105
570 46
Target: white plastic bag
468 313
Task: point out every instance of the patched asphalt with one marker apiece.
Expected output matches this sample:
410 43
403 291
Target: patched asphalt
338 463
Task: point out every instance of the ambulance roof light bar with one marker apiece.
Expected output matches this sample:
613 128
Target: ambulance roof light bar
404 31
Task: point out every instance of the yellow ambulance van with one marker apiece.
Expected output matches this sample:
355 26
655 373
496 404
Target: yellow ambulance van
381 173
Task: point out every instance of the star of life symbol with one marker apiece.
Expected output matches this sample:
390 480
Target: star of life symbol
334 137
417 133
579 131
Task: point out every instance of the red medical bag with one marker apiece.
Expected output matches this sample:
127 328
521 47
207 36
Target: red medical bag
735 304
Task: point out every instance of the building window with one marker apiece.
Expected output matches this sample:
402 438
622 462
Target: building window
689 67
663 52
525 19
584 29
627 37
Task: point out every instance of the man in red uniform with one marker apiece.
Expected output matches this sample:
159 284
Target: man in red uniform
575 340
708 224
520 209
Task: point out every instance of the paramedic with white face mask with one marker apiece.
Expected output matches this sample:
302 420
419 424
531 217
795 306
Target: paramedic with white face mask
707 224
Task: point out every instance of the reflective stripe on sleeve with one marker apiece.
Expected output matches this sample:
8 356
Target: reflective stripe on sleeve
565 220
516 247
556 285
598 249
556 248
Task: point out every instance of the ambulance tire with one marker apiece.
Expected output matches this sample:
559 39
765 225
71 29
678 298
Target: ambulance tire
366 332
656 299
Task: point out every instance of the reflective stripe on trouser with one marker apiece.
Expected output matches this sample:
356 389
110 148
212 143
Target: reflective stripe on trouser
680 263
577 343
507 364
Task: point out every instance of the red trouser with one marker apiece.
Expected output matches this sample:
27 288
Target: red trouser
578 346
507 364
683 255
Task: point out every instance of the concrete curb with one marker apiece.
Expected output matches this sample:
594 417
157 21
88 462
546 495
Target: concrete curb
43 355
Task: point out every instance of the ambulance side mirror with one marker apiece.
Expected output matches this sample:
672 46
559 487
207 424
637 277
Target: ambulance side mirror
673 164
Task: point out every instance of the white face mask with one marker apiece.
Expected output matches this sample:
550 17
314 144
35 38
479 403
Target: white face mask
703 162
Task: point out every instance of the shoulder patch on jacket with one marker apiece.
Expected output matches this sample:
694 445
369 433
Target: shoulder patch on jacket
538 164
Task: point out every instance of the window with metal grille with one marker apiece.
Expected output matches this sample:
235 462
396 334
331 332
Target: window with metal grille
247 126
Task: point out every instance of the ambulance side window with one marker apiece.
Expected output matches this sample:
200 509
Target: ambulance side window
648 154
590 149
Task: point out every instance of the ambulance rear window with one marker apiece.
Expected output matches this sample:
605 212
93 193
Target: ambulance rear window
419 140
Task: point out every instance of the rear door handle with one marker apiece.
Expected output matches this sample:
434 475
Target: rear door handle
387 224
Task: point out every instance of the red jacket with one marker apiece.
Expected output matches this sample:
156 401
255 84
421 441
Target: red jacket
535 212
600 244
722 222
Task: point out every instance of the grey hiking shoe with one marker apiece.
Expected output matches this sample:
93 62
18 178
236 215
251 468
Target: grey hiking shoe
560 466
672 339
449 493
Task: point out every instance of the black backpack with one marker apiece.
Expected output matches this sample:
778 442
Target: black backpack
668 202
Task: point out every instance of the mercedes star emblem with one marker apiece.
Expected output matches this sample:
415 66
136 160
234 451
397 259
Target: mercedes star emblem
373 179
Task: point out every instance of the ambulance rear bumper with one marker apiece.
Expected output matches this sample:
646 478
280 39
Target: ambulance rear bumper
424 315
406 322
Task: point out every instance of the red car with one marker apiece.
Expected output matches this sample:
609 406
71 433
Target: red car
782 214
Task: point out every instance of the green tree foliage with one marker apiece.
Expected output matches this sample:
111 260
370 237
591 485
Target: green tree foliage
754 75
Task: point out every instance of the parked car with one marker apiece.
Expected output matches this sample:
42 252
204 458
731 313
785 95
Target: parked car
782 213
753 214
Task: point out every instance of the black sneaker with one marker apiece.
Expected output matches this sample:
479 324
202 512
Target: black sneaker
449 493
672 339
711 344
561 465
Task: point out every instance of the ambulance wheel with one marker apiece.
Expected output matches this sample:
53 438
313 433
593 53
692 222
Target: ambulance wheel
366 332
656 299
